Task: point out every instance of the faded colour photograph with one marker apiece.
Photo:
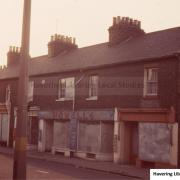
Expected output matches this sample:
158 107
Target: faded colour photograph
89 89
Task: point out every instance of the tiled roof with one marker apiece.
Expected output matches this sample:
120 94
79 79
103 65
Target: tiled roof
150 45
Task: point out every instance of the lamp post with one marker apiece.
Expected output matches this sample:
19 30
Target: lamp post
19 166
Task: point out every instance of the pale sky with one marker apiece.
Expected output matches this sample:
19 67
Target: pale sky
87 20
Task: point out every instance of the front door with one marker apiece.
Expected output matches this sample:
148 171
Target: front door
33 130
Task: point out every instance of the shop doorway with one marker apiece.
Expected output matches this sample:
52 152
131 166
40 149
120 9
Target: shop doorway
129 142
49 135
32 132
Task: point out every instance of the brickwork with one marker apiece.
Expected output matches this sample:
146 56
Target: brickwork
124 28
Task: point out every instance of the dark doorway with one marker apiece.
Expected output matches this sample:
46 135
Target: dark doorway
33 130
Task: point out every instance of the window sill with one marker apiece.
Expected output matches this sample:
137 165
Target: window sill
94 98
64 99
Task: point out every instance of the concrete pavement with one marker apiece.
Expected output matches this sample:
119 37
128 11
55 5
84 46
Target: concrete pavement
110 167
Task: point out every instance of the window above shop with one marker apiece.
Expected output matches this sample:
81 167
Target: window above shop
66 89
151 81
93 87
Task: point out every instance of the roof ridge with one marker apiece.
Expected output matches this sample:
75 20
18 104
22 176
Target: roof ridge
163 30
39 56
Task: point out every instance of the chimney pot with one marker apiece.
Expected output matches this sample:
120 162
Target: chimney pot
114 21
62 38
51 38
59 36
123 19
17 49
70 40
126 19
66 39
10 48
139 24
56 36
74 41
131 21
118 20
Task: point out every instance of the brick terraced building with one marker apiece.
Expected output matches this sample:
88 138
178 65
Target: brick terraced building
116 101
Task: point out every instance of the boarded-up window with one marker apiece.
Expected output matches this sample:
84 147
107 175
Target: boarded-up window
89 137
154 142
61 134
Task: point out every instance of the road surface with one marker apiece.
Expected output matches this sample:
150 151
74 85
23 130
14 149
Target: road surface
41 169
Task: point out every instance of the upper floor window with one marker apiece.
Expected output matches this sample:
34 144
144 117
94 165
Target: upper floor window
66 88
151 82
93 86
30 91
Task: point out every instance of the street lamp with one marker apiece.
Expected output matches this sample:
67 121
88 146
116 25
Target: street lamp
19 166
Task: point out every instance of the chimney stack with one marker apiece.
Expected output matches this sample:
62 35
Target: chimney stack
13 56
124 28
59 44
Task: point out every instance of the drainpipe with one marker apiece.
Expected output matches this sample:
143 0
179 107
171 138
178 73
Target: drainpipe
73 120
76 83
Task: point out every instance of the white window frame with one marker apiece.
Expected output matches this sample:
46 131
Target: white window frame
147 81
91 91
69 89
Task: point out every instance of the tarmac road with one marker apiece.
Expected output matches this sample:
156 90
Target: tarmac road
41 169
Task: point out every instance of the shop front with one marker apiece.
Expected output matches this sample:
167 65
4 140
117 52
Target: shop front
146 137
84 133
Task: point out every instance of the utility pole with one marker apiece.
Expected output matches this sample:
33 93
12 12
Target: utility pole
19 166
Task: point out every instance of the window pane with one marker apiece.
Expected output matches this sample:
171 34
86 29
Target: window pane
152 88
151 81
62 88
66 88
152 74
70 87
93 86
